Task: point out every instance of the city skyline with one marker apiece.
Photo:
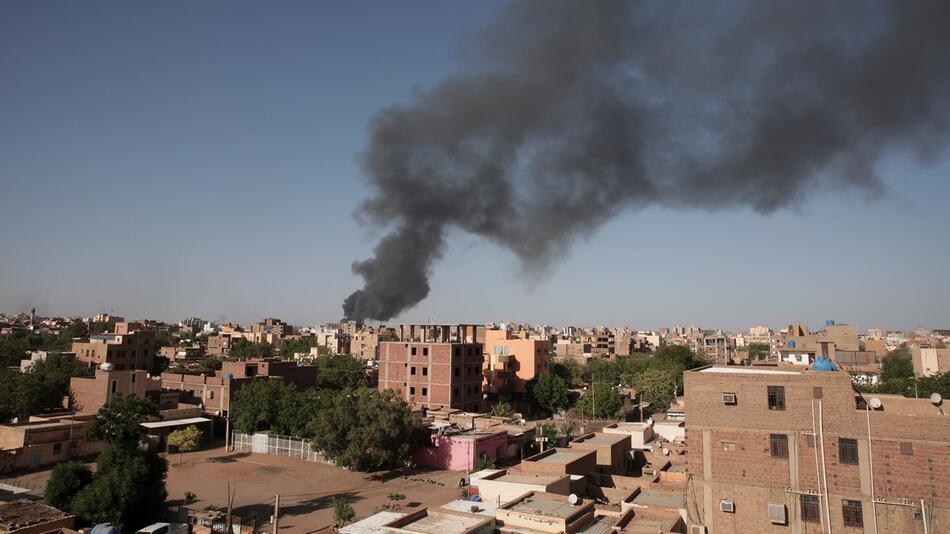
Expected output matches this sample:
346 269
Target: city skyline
167 169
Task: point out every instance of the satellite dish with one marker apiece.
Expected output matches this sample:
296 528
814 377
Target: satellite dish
875 403
936 399
573 499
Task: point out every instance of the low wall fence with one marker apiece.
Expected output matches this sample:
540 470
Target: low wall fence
276 445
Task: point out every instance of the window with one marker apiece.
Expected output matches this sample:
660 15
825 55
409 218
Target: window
413 351
907 448
811 511
412 370
848 451
73 444
778 444
851 513
425 351
412 391
57 448
776 397
455 392
425 371
457 371
817 392
133 378
425 391
115 385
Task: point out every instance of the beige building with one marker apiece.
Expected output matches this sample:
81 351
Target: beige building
130 346
511 362
929 361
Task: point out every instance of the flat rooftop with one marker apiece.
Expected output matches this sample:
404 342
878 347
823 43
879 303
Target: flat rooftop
483 508
436 522
524 478
735 370
561 457
546 507
23 513
600 439
372 524
659 499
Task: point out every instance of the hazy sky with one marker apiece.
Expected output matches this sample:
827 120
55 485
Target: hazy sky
170 159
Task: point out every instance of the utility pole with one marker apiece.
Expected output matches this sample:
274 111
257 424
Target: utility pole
277 514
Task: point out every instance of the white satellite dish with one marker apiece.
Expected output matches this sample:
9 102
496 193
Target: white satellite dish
936 398
875 403
573 499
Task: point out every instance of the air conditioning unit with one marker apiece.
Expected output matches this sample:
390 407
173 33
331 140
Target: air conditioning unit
697 529
727 506
729 398
778 514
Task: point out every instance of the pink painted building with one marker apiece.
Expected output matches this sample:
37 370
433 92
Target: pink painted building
462 450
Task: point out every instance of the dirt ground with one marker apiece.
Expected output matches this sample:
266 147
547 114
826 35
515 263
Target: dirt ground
306 489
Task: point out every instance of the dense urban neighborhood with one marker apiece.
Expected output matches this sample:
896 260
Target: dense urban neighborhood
471 427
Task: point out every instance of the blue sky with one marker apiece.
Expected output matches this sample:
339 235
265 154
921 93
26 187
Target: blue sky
169 159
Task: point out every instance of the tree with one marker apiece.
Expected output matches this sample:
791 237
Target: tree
290 347
502 409
340 371
119 422
65 482
365 430
185 440
128 489
758 351
243 349
548 392
601 400
570 371
657 384
897 364
265 405
342 512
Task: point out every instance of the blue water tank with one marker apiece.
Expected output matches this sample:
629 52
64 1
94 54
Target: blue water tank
830 322
791 343
823 364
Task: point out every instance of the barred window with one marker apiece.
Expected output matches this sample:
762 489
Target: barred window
776 397
811 511
851 512
848 451
778 445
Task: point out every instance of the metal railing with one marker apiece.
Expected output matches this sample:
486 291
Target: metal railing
289 446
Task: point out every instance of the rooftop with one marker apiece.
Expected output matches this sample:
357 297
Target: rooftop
745 371
525 478
23 513
428 521
544 506
599 439
660 499
372 524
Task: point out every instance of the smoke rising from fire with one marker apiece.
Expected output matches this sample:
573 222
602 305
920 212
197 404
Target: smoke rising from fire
572 112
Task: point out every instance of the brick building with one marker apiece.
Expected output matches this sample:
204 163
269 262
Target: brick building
433 375
783 449
130 346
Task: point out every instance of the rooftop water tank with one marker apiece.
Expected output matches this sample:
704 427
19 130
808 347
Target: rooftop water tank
105 366
791 343
823 364
830 322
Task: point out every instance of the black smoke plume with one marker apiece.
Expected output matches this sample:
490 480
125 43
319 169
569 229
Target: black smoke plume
569 112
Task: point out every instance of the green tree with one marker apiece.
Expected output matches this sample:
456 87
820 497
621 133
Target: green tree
897 364
340 371
243 349
342 512
602 401
265 405
365 430
657 384
548 391
758 351
185 440
570 371
289 347
66 480
502 409
128 489
119 422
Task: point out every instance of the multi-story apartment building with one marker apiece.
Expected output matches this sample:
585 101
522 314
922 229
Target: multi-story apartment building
130 346
791 450
929 361
431 370
510 362
364 344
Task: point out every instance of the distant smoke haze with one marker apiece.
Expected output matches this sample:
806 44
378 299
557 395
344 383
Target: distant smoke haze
573 112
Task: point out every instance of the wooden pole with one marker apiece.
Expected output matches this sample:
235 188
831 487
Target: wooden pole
277 514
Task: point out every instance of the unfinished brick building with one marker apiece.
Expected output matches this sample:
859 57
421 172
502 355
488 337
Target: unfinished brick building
431 369
798 451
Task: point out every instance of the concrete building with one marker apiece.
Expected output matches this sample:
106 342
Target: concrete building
178 354
440 521
90 394
612 451
511 362
501 486
130 346
798 451
561 462
929 361
436 373
41 356
461 450
545 513
27 517
42 441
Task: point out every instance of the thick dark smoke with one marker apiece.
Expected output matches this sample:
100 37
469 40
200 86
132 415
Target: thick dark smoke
573 111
